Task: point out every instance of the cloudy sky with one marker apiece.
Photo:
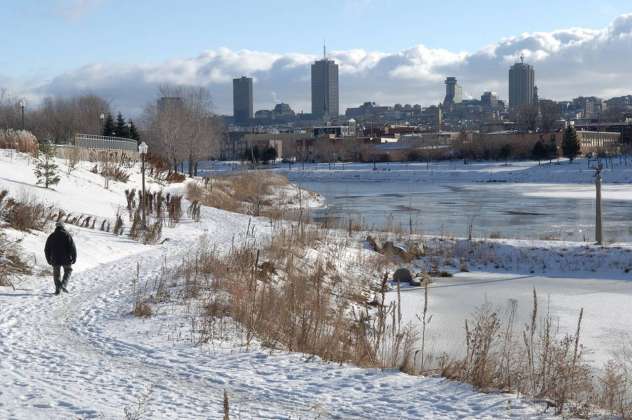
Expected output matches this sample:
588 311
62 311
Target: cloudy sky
388 51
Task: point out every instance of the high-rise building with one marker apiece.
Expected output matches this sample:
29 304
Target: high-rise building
489 99
242 100
521 85
453 92
325 95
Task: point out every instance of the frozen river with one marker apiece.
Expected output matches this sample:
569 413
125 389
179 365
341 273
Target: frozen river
507 210
522 200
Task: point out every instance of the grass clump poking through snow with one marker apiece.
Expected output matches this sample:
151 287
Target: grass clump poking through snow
20 140
25 213
11 261
295 292
286 302
256 193
535 361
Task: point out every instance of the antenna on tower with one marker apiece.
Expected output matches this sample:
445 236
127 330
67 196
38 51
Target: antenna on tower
324 50
522 58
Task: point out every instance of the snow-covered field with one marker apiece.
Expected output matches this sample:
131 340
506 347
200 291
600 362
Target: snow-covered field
83 355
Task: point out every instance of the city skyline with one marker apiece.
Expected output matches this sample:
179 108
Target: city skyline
569 63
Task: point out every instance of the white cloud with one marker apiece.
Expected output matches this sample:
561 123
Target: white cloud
568 63
76 9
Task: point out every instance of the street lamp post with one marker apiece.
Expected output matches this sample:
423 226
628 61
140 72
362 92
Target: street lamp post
22 108
142 149
101 119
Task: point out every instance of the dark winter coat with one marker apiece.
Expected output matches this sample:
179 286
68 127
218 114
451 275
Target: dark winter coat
60 248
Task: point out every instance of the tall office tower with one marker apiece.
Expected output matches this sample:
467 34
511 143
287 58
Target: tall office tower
453 92
242 100
325 95
521 85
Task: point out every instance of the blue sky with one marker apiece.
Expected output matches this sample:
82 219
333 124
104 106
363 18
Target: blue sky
52 35
43 39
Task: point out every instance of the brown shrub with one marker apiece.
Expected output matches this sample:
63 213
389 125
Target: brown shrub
25 213
142 310
175 177
115 173
21 140
244 192
11 261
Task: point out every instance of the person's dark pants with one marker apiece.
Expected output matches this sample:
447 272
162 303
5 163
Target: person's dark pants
57 272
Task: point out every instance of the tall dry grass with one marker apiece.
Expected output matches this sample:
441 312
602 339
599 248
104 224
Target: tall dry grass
12 262
256 193
20 140
25 213
286 295
537 361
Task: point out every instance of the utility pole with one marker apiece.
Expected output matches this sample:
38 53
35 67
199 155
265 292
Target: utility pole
598 227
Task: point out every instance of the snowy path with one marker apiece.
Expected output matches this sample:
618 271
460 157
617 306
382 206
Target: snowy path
82 355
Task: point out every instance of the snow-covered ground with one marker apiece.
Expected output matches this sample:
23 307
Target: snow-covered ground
567 276
606 319
82 355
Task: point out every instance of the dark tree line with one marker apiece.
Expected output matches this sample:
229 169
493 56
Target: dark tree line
545 151
264 155
120 127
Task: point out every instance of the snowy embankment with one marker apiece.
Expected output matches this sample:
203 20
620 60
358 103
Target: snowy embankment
552 258
84 355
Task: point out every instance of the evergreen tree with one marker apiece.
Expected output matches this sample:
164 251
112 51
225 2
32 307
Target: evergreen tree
108 126
570 143
268 154
252 154
121 127
539 152
551 150
133 132
505 152
46 168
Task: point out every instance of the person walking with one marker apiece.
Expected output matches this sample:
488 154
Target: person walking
60 252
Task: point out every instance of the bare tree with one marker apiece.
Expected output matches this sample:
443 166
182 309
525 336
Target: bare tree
9 110
59 119
182 127
550 113
527 117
